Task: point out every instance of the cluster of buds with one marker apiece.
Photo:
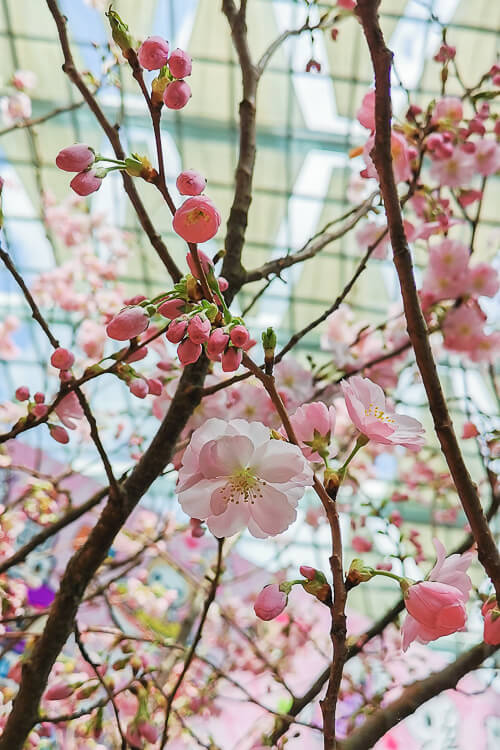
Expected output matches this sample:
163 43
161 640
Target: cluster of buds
273 598
82 159
169 87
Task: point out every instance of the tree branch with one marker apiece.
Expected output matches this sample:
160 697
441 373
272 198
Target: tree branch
489 556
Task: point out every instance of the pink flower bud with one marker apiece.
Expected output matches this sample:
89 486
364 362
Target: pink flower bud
135 300
239 336
216 344
172 308
176 330
197 220
231 359
190 183
197 530
437 607
223 283
75 158
188 352
147 730
85 183
137 355
138 387
270 602
307 572
205 261
40 410
133 735
59 434
198 329
491 616
128 323
155 386
153 53
59 691
176 95
22 393
180 63
39 397
62 359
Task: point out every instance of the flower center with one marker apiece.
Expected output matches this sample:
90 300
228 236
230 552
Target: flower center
376 411
196 215
242 486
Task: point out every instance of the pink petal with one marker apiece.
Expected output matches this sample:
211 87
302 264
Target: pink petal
272 512
234 518
277 461
225 455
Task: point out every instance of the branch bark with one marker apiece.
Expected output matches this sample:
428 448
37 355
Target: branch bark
367 12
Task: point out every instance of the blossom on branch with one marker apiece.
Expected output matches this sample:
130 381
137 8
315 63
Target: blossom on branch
234 475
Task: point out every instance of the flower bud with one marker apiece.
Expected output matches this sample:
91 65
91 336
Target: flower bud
153 53
59 434
59 691
76 158
128 323
138 387
180 63
176 95
216 344
172 308
176 330
197 220
190 182
155 386
270 602
39 397
22 393
231 359
239 336
188 352
198 329
62 359
86 183
119 31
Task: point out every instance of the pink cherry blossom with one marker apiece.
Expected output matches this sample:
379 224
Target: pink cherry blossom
75 158
462 328
153 53
180 63
366 112
401 157
128 323
449 109
197 220
469 431
190 182
436 606
369 233
85 183
487 156
68 409
270 602
369 411
24 79
15 108
314 425
491 614
447 276
483 280
138 387
233 475
455 171
176 95
91 338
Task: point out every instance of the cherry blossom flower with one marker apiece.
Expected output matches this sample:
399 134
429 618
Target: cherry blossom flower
366 112
68 409
436 606
190 182
314 425
233 475
197 220
75 158
128 323
15 108
374 418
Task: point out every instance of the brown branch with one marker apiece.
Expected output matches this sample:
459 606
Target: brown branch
367 12
192 651
313 246
41 119
414 696
71 71
232 268
85 562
